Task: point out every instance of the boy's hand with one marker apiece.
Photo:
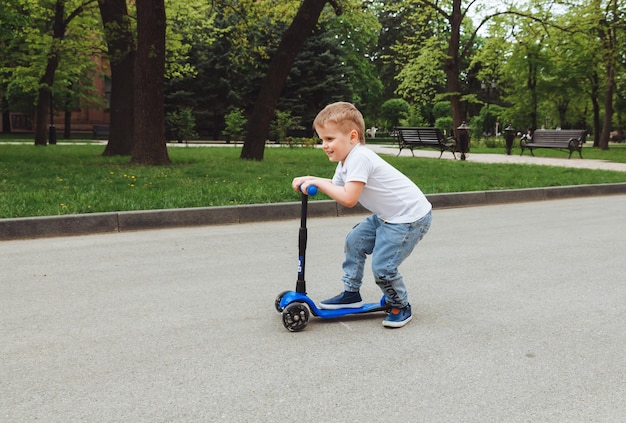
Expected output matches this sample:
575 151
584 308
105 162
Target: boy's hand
301 183
347 195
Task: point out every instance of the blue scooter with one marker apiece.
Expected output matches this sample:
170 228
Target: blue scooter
295 305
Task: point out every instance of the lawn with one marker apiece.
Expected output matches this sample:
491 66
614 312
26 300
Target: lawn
71 179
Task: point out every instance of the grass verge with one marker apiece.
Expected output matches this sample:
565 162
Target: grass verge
75 179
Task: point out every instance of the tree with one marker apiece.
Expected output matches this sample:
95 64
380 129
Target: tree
149 127
44 98
441 26
272 86
189 20
355 34
610 31
121 52
454 30
13 50
319 75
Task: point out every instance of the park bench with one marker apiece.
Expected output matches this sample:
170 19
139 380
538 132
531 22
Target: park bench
100 131
564 139
423 137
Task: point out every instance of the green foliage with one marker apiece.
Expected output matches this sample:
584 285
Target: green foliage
442 109
21 97
422 77
190 22
358 29
235 125
32 42
445 124
417 117
394 110
320 75
550 67
283 122
180 125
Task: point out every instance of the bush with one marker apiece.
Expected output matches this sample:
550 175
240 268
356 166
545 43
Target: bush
303 142
445 124
180 125
283 122
394 110
492 142
235 125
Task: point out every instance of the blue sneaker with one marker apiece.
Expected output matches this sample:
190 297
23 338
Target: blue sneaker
398 317
344 300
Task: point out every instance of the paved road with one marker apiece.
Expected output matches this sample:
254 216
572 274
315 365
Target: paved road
519 317
574 162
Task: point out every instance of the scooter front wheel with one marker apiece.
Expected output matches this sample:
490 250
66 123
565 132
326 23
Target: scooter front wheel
279 298
295 317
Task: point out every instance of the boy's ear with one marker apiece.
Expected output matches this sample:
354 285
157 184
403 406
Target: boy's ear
354 135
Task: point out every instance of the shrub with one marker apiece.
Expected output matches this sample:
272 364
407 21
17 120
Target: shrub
180 125
235 125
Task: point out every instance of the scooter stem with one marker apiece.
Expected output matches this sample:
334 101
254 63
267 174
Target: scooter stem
302 240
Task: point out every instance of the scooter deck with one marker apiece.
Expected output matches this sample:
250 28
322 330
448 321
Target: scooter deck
292 296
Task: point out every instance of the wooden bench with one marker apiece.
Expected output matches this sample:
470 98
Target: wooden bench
100 131
423 137
564 139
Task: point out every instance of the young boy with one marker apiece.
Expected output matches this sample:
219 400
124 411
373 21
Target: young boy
401 213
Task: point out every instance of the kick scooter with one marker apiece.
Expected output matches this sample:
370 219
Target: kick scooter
295 305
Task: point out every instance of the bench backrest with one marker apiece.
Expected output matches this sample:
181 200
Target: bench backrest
558 136
420 135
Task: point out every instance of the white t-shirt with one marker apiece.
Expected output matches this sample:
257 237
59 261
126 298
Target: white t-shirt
387 193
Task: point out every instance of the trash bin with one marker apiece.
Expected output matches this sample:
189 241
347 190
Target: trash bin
463 137
509 136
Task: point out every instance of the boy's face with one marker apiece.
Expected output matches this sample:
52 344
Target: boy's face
336 142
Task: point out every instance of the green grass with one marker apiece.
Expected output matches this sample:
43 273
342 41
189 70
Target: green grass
71 179
615 153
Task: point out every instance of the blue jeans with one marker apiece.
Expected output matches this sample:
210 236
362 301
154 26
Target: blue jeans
389 244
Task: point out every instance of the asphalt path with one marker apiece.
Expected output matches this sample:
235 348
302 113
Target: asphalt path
514 158
519 314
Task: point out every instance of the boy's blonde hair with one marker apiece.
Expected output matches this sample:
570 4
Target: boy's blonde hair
343 114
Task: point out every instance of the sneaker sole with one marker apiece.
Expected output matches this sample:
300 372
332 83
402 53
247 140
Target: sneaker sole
397 324
340 306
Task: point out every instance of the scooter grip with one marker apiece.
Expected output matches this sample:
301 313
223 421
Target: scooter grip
311 190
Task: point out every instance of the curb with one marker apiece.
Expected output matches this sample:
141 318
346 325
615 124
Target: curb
101 223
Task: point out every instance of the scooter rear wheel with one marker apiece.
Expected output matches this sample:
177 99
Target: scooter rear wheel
295 317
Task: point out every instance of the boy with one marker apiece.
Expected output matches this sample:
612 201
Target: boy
401 213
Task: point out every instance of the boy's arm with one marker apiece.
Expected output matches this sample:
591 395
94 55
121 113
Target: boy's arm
347 195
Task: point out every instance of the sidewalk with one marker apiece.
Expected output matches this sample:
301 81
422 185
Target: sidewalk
519 317
574 162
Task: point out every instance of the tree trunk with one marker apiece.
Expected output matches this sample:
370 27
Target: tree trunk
149 124
595 89
42 112
608 30
531 84
121 46
264 108
452 67
603 142
561 107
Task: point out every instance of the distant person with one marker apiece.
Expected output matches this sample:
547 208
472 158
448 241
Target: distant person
528 136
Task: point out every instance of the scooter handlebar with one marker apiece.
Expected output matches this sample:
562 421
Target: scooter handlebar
311 190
